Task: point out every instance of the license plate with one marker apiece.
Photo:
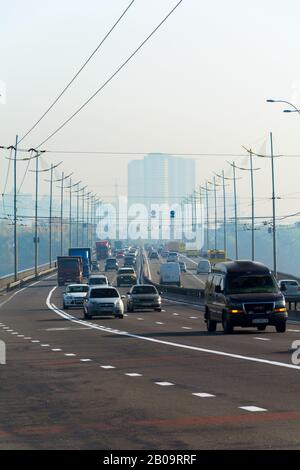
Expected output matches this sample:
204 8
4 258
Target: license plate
260 320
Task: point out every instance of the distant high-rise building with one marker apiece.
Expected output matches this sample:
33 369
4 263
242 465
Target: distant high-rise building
160 178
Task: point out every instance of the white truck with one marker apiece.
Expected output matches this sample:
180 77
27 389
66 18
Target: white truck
170 274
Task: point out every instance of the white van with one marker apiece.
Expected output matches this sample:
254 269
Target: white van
204 267
170 274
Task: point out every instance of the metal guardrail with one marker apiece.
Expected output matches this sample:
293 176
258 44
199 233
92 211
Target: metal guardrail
23 271
8 283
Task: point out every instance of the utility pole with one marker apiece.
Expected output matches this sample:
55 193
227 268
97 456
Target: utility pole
224 213
61 212
274 208
15 213
36 240
50 216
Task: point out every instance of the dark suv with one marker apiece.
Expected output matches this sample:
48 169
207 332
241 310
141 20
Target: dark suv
243 293
111 264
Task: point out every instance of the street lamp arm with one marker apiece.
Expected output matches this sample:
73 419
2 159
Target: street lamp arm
285 102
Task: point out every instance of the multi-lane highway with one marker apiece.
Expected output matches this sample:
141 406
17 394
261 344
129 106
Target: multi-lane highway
152 380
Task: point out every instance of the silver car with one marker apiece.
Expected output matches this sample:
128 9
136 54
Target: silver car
103 301
290 289
74 295
143 296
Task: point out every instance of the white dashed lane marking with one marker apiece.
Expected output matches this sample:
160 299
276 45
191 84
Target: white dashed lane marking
45 345
186 328
263 339
252 408
203 395
70 354
56 349
159 323
35 341
107 367
86 360
164 384
133 374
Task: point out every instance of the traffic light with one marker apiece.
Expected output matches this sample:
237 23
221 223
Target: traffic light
172 214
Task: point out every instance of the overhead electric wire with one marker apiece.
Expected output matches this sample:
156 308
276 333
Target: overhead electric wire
112 76
77 73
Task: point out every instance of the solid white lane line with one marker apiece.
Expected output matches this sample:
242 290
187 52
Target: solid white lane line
203 395
107 367
67 329
252 408
170 343
164 384
133 374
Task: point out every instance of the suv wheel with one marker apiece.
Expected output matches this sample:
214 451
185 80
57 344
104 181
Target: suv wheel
281 327
227 326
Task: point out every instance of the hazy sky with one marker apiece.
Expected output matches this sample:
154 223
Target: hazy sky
198 86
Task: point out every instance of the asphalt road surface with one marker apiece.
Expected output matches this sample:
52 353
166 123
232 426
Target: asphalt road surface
154 380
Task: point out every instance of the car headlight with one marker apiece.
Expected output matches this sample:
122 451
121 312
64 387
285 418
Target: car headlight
280 306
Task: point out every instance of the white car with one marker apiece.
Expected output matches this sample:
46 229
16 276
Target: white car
74 295
98 280
103 301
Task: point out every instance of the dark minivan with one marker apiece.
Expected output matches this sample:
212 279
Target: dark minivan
243 293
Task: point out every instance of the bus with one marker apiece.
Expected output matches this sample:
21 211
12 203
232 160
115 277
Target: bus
216 256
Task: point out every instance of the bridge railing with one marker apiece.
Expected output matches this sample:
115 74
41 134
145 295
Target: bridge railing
8 282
